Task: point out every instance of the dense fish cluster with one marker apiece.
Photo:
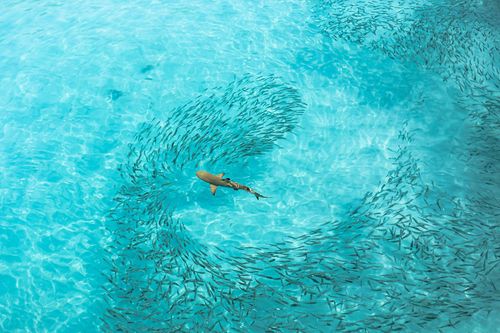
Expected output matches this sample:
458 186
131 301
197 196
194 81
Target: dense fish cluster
408 257
457 40
159 276
249 116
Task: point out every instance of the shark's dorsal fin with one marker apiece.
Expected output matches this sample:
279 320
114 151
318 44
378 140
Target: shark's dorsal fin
213 188
220 175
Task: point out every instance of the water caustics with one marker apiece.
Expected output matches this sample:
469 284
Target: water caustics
156 265
406 258
417 252
409 257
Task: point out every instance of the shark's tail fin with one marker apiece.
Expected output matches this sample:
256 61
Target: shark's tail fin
249 190
258 195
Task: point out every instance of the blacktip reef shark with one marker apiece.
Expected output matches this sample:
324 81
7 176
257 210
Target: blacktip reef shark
217 180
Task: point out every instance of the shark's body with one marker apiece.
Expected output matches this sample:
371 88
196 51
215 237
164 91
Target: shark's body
217 180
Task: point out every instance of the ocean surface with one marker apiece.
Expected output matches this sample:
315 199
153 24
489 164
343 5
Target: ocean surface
372 126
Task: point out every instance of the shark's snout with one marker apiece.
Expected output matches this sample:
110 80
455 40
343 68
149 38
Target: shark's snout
201 174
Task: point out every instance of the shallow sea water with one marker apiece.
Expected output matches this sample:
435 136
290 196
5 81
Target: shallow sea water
377 145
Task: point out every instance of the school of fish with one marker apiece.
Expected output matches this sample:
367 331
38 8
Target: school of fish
409 257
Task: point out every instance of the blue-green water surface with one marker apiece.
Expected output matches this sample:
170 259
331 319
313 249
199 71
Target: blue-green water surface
373 127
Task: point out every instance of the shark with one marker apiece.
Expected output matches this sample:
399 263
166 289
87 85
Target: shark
217 180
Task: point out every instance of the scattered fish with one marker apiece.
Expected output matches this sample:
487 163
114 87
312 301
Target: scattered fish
114 94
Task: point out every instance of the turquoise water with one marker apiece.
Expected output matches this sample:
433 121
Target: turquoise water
372 126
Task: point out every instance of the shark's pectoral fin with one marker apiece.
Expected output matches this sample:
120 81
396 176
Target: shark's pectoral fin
220 175
213 189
